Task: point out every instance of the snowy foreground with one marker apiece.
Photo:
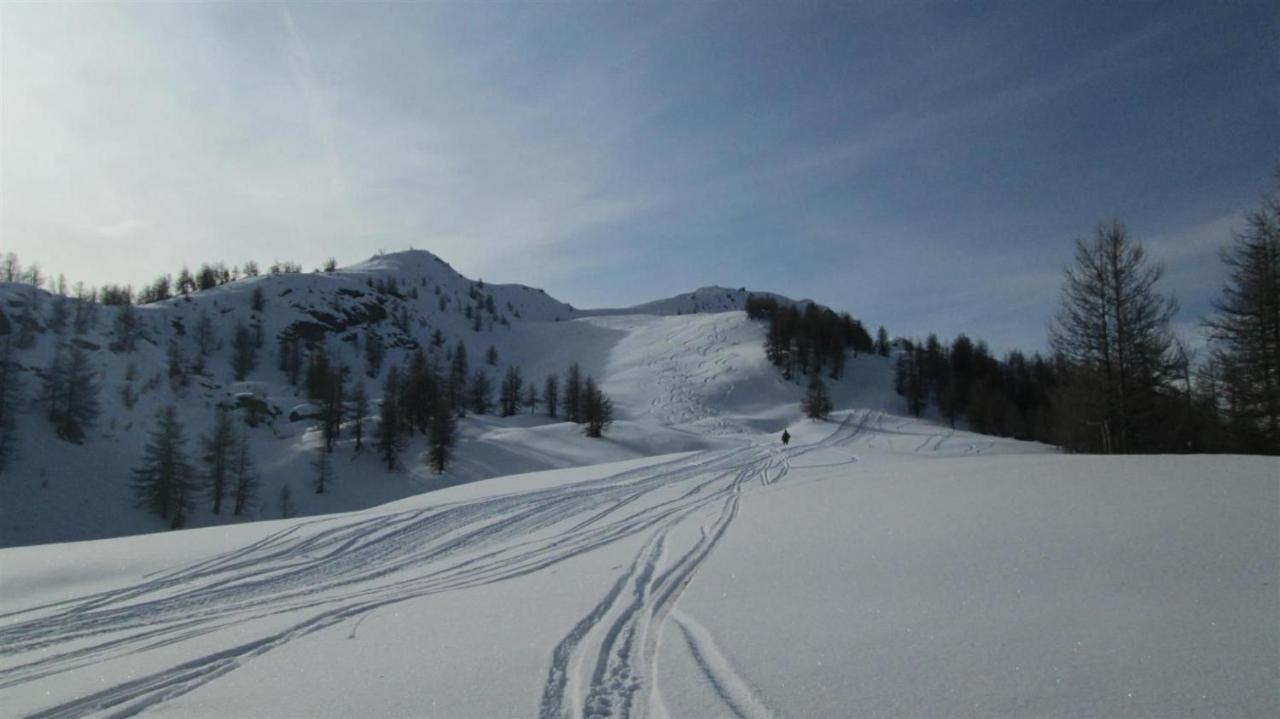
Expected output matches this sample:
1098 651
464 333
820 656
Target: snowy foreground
877 566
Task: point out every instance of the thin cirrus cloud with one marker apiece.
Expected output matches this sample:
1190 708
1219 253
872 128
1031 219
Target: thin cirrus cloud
925 167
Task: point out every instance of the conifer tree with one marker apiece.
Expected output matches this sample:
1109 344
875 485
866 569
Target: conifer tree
491 356
479 392
333 406
244 478
597 409
1113 329
85 314
374 352
177 364
1245 329
457 380
204 333
359 410
511 393
531 397
443 435
573 393
817 400
389 439
186 283
217 457
11 268
318 375
59 314
71 394
420 385
163 481
127 329
551 395
10 398
244 352
27 322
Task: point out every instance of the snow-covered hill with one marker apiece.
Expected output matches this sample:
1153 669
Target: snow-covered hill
701 300
684 373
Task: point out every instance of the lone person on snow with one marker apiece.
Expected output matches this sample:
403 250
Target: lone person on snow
786 437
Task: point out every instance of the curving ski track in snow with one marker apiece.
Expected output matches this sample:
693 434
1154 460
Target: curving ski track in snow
328 571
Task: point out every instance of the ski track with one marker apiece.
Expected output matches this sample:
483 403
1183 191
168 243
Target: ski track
327 571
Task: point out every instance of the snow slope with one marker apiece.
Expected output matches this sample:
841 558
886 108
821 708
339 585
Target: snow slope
876 566
710 369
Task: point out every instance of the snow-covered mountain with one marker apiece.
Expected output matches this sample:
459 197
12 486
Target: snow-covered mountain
701 300
684 372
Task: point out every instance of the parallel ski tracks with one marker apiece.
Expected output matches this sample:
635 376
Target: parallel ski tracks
329 571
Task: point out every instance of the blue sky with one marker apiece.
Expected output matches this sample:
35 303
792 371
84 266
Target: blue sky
924 166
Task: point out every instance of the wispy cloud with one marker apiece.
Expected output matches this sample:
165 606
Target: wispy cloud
298 55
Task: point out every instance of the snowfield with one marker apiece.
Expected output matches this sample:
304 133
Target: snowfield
877 566
688 564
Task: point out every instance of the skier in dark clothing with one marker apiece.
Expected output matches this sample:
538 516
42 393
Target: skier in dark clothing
786 437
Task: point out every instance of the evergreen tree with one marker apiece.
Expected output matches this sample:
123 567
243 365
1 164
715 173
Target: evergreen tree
374 351
206 277
443 436
27 322
531 398
597 409
11 268
127 329
289 352
10 398
479 392
457 380
573 393
359 410
257 299
333 406
420 387
186 283
204 334
491 356
71 394
116 295
177 365
511 393
163 481
551 394
85 313
244 479
1245 329
389 439
244 353
1113 328
59 314
218 449
817 400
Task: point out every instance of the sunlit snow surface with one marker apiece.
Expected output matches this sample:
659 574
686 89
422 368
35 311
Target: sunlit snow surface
686 565
876 566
